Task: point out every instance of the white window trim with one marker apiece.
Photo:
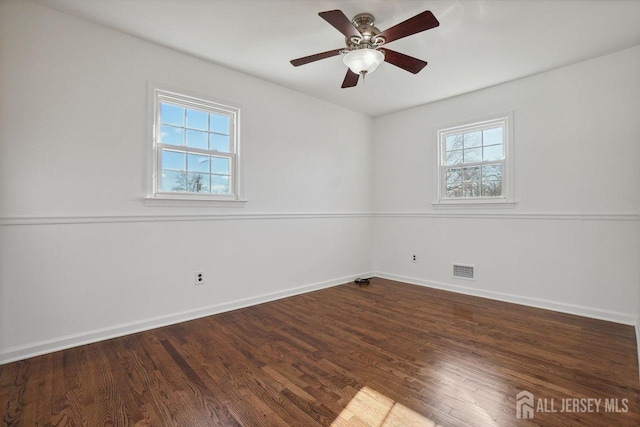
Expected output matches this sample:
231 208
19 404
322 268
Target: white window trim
157 91
508 198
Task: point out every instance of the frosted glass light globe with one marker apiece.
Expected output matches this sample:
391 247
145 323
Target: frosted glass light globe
363 61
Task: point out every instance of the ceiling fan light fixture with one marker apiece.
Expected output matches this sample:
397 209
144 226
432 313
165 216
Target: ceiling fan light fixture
363 61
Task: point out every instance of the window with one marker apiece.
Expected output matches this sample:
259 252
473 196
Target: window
475 162
195 149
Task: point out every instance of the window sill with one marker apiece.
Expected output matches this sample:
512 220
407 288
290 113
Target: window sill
470 204
194 202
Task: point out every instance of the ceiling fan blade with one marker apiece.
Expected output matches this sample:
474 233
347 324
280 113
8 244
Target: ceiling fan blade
341 23
351 79
316 57
421 22
406 62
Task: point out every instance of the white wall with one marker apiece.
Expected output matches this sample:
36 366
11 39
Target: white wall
82 258
571 241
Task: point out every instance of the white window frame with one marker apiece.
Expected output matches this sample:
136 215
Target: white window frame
154 196
507 198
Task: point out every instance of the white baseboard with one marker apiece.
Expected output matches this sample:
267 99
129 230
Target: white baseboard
595 313
638 343
60 343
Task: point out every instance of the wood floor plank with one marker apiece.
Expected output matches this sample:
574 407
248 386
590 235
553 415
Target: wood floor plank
386 354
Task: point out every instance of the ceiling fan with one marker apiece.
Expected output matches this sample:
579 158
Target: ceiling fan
364 42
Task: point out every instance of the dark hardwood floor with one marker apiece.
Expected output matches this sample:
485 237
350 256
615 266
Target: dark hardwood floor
387 354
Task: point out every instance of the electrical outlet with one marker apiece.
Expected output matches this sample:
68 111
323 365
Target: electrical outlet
414 258
199 278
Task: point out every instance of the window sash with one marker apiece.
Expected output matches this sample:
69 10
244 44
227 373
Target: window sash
443 179
187 151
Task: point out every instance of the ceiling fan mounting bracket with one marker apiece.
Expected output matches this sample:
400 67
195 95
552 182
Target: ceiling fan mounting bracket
363 19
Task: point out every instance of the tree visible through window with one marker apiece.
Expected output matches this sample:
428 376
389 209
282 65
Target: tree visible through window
473 161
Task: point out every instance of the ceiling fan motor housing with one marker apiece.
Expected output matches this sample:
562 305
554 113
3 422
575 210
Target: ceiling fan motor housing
364 23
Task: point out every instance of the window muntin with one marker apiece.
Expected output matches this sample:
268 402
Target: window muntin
473 161
196 148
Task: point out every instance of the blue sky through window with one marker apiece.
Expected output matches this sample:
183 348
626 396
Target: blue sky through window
172 114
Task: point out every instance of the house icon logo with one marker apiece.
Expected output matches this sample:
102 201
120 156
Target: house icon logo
524 405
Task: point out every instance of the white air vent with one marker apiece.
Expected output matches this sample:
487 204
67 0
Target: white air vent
461 271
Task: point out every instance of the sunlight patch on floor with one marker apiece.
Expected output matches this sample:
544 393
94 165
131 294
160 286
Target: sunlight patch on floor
372 409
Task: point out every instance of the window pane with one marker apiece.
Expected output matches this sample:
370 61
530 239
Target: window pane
493 152
454 176
453 190
198 183
219 124
471 174
197 119
173 160
170 114
492 136
453 182
220 165
491 188
198 163
173 181
197 139
219 184
453 142
473 155
471 189
172 135
472 139
219 142
492 172
453 157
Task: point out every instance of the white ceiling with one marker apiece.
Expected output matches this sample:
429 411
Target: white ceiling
479 43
